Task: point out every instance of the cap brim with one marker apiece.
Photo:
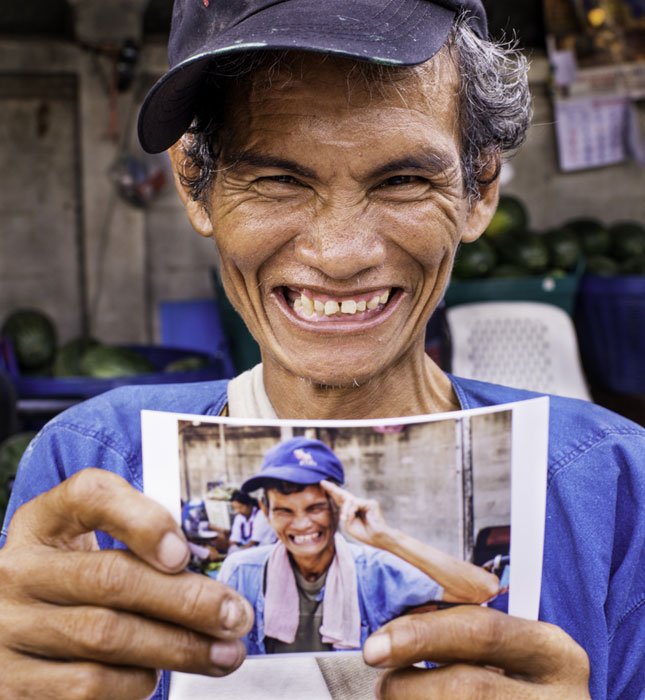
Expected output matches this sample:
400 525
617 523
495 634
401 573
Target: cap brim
408 34
294 475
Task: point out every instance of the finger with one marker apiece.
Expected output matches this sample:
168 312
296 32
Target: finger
457 682
120 639
348 510
480 635
117 579
337 494
51 680
95 499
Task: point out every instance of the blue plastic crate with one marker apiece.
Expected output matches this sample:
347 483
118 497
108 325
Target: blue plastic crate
610 322
86 387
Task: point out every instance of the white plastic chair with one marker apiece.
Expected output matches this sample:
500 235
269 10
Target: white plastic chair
526 345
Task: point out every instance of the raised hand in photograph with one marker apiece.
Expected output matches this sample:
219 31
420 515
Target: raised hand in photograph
363 520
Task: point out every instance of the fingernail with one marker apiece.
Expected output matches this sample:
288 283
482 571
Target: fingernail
233 614
172 551
377 649
224 655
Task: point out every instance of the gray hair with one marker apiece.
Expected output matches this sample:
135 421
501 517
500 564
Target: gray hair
494 106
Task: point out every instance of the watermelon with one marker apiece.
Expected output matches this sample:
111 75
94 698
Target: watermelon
602 265
67 362
511 215
187 364
633 266
564 248
33 337
109 362
593 236
506 271
627 240
525 249
474 260
11 450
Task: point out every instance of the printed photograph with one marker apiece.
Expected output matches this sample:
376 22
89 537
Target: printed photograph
331 532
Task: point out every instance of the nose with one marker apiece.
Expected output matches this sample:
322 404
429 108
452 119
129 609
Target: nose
301 523
341 241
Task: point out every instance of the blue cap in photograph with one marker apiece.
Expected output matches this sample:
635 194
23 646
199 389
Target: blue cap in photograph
298 461
395 32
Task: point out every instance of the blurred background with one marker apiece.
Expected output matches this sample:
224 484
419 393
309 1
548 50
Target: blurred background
102 280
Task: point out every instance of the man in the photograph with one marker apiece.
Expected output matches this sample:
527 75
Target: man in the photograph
313 590
250 527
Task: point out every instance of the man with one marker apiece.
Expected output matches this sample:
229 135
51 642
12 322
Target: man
337 153
313 591
250 527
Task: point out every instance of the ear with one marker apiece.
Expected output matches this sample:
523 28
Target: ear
481 211
183 169
263 507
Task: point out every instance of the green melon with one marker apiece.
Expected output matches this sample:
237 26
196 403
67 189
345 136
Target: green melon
474 260
524 249
67 362
564 248
593 235
510 215
109 362
11 450
627 240
602 265
187 364
33 337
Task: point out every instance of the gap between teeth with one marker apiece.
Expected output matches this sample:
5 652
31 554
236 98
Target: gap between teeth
331 308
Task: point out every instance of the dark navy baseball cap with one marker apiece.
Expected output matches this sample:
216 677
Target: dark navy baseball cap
395 32
298 461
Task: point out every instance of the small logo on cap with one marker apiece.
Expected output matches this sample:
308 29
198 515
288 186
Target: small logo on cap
304 458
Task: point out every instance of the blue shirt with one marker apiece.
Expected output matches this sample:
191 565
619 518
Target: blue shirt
386 587
593 581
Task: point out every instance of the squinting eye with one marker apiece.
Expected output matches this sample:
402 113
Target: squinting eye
399 180
281 179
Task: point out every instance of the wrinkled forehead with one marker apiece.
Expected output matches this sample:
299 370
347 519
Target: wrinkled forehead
285 78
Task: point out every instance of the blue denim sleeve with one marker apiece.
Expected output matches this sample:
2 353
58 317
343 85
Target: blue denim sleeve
593 584
60 450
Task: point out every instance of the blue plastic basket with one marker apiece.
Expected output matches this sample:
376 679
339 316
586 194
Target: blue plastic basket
610 322
86 387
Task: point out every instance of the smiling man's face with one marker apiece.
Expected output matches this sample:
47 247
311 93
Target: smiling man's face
337 211
304 522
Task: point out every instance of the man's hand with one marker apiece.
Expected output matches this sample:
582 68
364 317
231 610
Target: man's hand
361 518
484 654
76 622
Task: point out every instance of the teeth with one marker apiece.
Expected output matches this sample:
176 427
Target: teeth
307 305
331 308
301 539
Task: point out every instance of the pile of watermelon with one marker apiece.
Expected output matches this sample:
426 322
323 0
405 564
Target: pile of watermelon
34 340
510 248
11 450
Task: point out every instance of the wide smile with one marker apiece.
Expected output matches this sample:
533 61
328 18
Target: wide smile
311 538
360 309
